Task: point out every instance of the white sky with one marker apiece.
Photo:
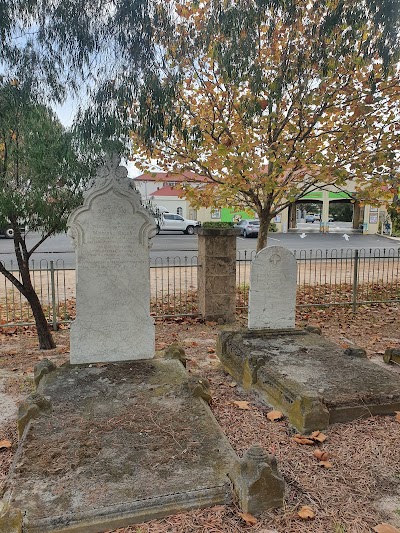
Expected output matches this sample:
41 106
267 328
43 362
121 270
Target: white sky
66 113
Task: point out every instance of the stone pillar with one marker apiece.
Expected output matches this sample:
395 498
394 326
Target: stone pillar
216 273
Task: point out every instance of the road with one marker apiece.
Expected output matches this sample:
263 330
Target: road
179 246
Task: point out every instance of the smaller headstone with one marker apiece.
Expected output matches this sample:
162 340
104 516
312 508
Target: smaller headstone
272 298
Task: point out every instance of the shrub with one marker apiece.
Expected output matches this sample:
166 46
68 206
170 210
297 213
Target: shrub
215 224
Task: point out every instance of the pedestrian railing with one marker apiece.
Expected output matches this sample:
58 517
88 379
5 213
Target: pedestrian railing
324 278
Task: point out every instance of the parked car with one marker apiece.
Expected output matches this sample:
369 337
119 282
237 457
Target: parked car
310 218
172 222
248 228
7 232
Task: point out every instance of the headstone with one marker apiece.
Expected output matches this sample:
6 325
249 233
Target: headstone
111 233
272 298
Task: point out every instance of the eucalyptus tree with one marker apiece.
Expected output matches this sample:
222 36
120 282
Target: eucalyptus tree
42 176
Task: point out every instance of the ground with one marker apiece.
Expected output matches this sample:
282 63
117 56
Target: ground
359 491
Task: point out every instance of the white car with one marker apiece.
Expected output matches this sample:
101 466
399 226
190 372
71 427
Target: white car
172 222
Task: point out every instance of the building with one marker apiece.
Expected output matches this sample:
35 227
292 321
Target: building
162 189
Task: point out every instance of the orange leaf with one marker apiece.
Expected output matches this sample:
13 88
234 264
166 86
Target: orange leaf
303 440
306 513
275 415
241 404
320 437
248 518
397 417
385 528
321 456
325 464
210 350
5 443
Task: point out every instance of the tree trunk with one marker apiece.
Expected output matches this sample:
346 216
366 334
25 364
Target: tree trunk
265 220
45 337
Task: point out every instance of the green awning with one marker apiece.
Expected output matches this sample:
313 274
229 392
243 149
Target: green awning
316 195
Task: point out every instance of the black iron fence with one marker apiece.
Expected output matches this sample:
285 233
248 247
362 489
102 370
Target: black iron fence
324 278
336 277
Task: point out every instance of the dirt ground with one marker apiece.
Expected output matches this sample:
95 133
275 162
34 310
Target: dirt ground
359 491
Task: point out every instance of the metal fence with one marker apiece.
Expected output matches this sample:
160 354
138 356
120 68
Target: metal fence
324 278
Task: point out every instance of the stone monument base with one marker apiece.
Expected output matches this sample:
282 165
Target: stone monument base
107 445
310 379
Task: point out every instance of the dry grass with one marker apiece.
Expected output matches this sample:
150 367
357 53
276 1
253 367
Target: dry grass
362 488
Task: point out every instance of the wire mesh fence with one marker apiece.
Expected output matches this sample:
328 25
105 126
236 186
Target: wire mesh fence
324 278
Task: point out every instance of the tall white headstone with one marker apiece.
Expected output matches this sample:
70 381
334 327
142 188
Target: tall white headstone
272 298
111 233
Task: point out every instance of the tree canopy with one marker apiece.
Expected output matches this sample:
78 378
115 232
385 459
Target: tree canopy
299 108
110 48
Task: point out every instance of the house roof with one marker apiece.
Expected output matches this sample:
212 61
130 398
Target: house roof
187 176
168 191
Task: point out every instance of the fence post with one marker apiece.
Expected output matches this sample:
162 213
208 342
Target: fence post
53 296
355 280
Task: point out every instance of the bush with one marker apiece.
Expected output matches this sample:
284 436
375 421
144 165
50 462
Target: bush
215 224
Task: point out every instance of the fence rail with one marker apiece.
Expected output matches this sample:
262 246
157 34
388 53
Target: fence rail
324 278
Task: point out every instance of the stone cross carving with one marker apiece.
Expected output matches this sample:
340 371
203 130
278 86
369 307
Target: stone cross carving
272 297
111 233
275 259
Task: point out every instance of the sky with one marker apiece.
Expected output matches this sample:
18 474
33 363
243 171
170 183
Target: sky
66 113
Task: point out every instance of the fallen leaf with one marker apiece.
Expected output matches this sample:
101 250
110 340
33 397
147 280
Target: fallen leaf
315 433
248 518
275 415
5 443
385 528
321 455
320 438
306 513
397 417
303 440
325 464
210 350
233 384
241 404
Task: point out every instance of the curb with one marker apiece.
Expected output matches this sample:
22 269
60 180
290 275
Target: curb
389 237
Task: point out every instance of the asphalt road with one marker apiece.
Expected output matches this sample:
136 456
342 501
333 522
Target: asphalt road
178 246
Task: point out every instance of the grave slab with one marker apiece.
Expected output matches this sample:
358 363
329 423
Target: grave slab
310 379
122 443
